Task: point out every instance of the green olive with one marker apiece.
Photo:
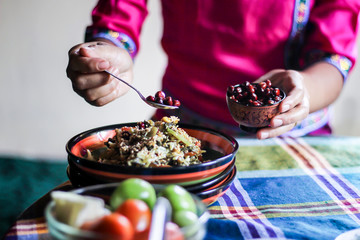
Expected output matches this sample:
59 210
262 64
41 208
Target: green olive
133 188
185 218
179 198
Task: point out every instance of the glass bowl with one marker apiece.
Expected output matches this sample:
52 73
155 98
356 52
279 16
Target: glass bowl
61 231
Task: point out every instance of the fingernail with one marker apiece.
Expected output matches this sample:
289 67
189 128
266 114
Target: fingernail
277 122
264 135
285 108
103 65
90 47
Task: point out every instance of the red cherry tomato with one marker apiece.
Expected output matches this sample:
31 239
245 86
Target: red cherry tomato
114 226
144 235
138 213
173 232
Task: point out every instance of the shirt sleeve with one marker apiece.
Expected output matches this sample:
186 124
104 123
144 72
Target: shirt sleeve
332 34
119 21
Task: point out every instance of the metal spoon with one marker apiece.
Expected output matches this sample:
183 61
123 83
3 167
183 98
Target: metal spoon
160 216
153 104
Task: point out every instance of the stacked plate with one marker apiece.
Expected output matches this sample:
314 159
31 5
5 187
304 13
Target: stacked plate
207 180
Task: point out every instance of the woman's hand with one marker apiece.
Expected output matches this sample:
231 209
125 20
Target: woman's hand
294 108
86 66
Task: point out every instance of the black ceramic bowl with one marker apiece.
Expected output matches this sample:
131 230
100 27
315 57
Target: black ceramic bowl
220 151
80 179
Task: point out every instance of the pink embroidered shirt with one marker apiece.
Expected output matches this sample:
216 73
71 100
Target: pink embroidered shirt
212 44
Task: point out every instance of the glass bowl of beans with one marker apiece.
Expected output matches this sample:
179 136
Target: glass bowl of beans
253 105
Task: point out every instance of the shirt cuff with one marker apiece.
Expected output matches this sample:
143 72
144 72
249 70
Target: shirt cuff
119 39
342 63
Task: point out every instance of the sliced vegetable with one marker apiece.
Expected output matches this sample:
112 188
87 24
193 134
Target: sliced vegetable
74 209
179 136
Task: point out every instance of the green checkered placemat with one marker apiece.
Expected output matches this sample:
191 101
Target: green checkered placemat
22 181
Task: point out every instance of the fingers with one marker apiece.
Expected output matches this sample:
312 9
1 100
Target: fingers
99 96
86 66
284 122
87 73
104 100
292 116
293 99
270 133
104 53
89 45
87 81
294 108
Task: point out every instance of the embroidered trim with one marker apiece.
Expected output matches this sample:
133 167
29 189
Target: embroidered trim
313 122
301 16
296 40
119 39
342 63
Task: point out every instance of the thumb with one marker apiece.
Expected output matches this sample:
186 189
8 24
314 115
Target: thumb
268 75
89 52
104 51
114 56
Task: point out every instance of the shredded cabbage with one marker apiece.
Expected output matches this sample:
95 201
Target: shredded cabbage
152 144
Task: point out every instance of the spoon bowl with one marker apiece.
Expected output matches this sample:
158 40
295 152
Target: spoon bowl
150 103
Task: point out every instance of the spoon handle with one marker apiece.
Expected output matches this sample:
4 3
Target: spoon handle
150 103
128 84
160 216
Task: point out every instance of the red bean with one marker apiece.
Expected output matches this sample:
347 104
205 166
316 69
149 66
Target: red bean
239 97
160 95
267 92
168 101
231 89
177 103
270 102
255 94
277 98
276 91
268 83
150 98
262 85
251 88
161 98
256 103
141 125
238 90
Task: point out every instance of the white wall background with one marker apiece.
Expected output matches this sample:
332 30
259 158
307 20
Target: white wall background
39 111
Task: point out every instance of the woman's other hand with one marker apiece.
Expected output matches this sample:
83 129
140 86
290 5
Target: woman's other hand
294 108
86 66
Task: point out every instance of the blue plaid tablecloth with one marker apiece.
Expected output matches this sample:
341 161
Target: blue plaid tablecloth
291 188
286 188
